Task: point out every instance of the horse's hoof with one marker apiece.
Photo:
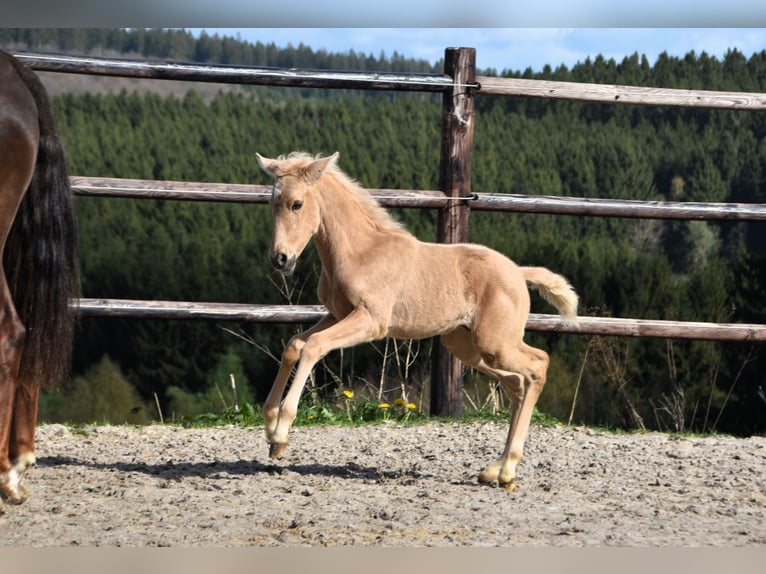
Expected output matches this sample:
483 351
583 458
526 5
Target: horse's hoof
13 494
494 476
489 475
277 449
487 480
509 486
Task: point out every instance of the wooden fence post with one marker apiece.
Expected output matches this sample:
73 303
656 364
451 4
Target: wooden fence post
455 182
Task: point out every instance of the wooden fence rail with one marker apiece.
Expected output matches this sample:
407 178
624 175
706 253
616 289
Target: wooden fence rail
439 83
227 74
241 193
607 326
744 101
227 192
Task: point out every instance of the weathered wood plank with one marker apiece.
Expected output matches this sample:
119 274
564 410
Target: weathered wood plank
306 78
229 192
618 207
606 326
175 190
457 126
132 308
612 326
616 94
228 74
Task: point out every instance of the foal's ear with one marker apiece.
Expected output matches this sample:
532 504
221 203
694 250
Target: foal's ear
314 170
270 166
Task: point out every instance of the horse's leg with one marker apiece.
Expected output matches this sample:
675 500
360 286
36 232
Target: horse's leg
357 327
20 120
461 344
13 182
22 446
11 345
524 388
290 356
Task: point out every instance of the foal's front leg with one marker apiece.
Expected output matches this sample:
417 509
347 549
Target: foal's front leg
357 327
290 356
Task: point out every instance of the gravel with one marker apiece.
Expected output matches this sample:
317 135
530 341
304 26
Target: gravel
387 485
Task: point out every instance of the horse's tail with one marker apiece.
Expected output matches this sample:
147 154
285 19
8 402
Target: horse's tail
555 289
40 259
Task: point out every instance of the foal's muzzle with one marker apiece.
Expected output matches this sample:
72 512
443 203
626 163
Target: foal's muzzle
282 263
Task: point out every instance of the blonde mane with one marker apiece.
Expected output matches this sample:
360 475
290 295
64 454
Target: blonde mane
376 214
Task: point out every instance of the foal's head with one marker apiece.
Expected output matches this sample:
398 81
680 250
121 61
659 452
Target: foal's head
293 204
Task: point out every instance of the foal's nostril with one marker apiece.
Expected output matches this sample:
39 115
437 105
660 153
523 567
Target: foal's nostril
279 260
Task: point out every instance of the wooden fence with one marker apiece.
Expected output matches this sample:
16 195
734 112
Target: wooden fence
455 199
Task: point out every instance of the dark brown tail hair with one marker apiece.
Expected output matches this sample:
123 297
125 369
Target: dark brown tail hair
41 260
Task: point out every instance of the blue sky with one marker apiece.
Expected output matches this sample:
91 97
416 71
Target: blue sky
533 33
513 48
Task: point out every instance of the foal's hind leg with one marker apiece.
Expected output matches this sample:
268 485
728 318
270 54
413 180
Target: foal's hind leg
531 365
521 371
524 389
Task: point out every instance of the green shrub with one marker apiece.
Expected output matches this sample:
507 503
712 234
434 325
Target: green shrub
217 398
101 395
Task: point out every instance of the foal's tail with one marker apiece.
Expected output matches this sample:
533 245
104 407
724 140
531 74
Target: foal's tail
555 289
40 258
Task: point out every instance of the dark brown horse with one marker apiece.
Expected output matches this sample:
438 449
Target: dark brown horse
40 266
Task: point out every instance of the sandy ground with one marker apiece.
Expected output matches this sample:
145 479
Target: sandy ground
387 485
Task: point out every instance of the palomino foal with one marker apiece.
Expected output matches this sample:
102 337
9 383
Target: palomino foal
379 281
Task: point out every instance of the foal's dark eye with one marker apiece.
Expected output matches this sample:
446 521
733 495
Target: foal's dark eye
296 206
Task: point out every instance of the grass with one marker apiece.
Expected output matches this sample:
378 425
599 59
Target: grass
312 414
351 413
349 400
356 410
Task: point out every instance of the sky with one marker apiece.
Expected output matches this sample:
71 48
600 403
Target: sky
507 34
512 48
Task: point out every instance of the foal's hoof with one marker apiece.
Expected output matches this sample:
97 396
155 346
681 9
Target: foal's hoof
277 449
509 486
493 476
490 475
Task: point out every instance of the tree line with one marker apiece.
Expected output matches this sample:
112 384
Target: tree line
179 44
683 270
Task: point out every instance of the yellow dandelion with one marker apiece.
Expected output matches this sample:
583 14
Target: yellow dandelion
349 394
383 406
399 402
412 406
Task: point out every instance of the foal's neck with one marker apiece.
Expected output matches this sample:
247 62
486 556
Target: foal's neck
351 225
